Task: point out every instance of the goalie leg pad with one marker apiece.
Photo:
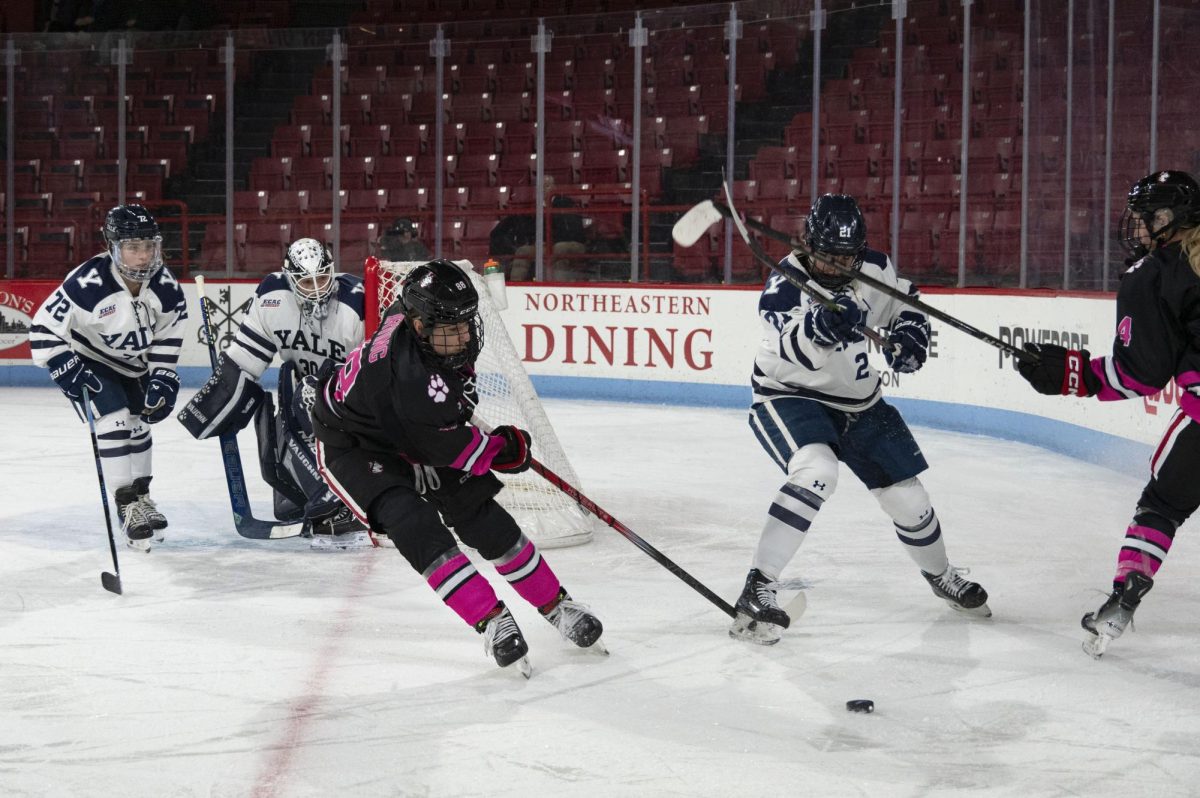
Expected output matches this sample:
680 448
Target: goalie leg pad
225 404
270 455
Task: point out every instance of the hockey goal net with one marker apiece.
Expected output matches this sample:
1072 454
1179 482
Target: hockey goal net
506 396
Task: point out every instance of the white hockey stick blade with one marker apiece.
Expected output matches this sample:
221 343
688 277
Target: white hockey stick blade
695 223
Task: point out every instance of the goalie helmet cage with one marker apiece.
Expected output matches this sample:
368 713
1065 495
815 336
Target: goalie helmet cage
506 396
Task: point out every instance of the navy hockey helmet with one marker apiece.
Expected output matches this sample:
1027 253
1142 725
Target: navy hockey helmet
440 295
1158 205
836 229
134 242
311 274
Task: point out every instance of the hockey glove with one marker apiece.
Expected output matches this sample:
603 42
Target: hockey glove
516 454
908 343
72 374
828 327
161 391
1061 371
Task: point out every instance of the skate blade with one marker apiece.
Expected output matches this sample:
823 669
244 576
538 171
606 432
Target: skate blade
797 606
524 667
1095 647
358 540
749 630
599 648
159 537
982 611
139 545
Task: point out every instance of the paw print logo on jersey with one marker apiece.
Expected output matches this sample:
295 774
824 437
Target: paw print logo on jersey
437 388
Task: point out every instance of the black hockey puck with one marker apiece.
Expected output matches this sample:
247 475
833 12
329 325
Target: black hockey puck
860 705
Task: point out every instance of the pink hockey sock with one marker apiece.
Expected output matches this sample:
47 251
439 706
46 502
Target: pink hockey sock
455 580
1143 550
528 573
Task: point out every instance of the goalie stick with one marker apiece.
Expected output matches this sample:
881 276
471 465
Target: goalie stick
626 532
111 582
235 478
722 210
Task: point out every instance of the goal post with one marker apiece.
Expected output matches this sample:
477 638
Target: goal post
506 396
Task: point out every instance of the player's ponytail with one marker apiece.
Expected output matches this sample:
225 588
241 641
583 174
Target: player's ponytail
1191 247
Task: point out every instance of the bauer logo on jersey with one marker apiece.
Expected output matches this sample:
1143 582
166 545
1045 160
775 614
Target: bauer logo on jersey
437 388
107 311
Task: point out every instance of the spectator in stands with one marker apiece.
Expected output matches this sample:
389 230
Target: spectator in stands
400 243
517 236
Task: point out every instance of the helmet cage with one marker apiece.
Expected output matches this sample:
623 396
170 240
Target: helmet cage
133 224
835 227
311 275
440 296
1158 205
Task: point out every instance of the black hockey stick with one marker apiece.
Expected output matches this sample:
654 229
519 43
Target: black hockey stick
697 220
929 310
243 518
626 532
111 582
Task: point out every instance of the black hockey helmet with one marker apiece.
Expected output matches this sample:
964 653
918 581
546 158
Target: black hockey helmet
311 274
1158 205
133 224
835 228
440 295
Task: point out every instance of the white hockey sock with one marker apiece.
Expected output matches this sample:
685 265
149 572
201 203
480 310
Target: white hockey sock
916 523
116 460
139 449
791 514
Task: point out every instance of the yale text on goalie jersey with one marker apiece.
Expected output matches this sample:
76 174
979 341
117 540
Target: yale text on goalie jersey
313 343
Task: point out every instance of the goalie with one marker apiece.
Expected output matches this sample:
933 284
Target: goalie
311 317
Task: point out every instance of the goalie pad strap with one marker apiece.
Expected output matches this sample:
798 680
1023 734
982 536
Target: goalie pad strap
224 405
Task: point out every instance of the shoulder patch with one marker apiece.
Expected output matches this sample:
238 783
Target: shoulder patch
351 294
91 282
276 281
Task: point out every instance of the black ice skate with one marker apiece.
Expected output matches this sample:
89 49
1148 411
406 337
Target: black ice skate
759 619
137 527
961 594
339 530
574 622
502 639
1109 622
157 520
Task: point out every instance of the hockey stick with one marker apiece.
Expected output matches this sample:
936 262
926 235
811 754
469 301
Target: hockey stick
626 532
243 518
111 582
929 310
691 226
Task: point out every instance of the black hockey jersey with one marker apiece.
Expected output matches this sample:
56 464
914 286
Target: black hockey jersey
1158 331
392 400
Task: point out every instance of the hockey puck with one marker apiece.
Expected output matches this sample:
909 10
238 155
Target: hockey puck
860 705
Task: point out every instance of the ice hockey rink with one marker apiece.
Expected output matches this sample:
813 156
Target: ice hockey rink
240 668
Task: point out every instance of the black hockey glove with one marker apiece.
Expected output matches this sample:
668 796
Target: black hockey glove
72 374
1061 372
517 452
909 342
829 327
161 391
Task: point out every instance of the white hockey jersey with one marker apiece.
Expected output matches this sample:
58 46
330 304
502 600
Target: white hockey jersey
94 314
789 363
274 326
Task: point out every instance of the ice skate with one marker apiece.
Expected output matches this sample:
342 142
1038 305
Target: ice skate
502 640
1108 623
338 532
157 520
137 527
961 594
759 619
575 622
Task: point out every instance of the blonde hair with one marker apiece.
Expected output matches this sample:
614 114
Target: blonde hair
1191 247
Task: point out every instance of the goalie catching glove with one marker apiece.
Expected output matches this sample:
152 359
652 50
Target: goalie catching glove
1060 371
517 452
224 405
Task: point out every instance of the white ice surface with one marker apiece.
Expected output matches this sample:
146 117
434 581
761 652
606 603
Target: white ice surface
237 668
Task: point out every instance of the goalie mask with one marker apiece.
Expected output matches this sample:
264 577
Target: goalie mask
835 229
441 297
1159 205
134 242
310 273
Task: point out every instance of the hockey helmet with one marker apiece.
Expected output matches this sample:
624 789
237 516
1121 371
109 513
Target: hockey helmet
440 295
134 242
311 274
1158 205
835 229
